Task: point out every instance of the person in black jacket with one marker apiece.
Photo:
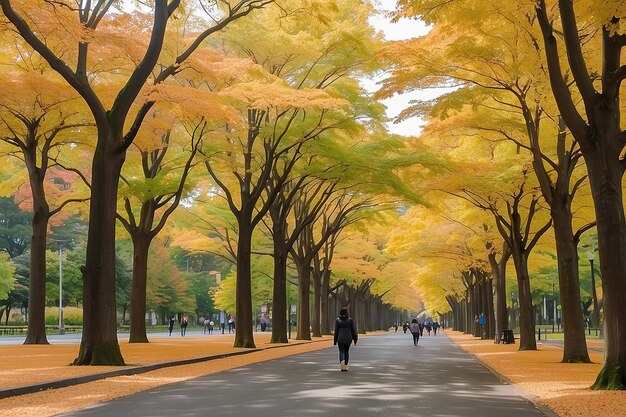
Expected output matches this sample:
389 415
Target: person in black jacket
345 334
415 329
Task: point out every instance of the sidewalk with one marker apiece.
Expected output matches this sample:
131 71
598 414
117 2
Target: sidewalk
563 387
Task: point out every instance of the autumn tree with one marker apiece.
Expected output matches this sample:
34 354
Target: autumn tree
318 46
157 192
284 237
38 124
506 78
117 125
598 131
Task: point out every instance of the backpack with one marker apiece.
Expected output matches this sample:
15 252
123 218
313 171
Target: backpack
414 327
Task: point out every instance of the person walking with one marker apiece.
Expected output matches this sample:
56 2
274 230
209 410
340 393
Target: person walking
231 325
345 334
183 325
482 320
414 328
171 325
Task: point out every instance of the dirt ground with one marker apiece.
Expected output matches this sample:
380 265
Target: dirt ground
538 374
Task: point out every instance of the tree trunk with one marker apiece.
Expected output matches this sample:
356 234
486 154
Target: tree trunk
527 329
490 314
141 247
326 317
605 177
37 284
498 270
124 309
475 306
243 320
317 308
304 305
99 345
279 318
575 344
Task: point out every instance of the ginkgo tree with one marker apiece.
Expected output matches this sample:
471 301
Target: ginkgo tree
597 74
308 91
506 79
166 155
96 26
40 122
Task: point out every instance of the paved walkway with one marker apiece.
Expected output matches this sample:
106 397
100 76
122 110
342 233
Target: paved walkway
388 377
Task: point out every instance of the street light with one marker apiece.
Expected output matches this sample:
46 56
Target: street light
218 280
513 324
596 312
61 321
553 305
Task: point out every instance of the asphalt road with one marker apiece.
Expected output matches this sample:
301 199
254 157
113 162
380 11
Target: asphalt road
388 377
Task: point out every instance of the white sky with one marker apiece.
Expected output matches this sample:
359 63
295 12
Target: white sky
404 29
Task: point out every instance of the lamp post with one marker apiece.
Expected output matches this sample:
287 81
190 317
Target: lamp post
596 312
513 324
553 305
218 280
61 321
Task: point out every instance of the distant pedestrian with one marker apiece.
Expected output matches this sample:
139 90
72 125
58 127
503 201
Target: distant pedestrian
345 334
183 325
171 325
395 326
414 327
482 320
405 326
231 325
428 328
208 326
435 327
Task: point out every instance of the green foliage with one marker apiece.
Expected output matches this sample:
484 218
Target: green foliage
70 233
18 297
72 276
15 228
202 284
123 272
168 291
7 280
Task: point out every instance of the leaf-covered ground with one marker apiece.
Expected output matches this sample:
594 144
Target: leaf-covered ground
563 387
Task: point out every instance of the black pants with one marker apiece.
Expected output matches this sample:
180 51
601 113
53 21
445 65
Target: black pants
416 338
343 352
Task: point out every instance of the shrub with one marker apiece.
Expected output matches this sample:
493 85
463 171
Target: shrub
72 316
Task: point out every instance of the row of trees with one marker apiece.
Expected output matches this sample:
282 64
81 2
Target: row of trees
265 136
532 93
250 115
